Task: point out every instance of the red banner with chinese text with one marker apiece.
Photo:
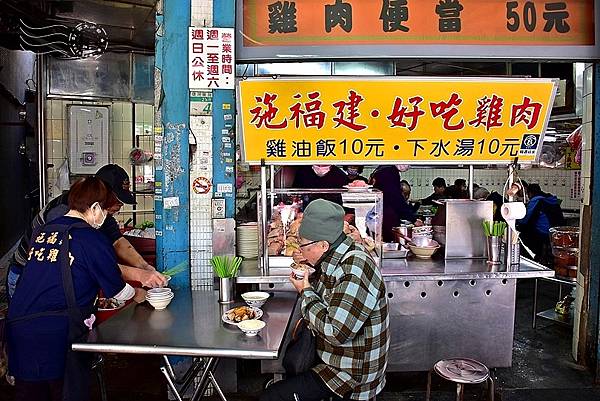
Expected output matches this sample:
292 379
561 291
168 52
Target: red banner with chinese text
442 22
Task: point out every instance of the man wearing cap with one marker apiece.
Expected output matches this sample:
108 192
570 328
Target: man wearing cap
346 308
133 266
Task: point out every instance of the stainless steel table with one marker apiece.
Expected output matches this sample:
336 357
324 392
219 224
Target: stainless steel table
192 326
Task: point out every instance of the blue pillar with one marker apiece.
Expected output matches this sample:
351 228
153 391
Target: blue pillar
224 120
172 166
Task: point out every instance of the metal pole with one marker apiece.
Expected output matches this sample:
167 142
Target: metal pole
265 228
272 185
471 177
41 126
509 231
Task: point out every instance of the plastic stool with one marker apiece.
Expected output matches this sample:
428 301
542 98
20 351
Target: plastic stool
462 371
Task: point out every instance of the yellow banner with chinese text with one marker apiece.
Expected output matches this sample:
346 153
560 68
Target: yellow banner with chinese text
392 120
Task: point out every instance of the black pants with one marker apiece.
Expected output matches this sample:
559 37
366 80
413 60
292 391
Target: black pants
307 386
49 390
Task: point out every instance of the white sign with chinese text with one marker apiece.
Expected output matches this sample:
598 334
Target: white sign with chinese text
211 61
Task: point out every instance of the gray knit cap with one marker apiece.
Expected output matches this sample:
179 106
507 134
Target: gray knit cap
323 221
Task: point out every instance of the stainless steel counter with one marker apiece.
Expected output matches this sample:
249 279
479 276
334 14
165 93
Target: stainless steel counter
191 325
458 269
418 269
440 308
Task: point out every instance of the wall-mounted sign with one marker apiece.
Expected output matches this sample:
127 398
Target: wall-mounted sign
201 185
201 103
211 60
493 28
392 120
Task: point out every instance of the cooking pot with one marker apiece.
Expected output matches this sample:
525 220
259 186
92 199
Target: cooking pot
402 231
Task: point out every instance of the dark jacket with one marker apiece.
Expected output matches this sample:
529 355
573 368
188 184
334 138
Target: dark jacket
395 208
543 212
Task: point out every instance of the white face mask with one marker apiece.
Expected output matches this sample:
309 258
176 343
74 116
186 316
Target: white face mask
402 167
321 170
95 224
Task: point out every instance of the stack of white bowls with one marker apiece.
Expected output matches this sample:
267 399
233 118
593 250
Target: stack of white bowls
159 298
247 240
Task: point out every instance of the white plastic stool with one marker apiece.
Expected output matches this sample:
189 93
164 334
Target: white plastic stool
462 371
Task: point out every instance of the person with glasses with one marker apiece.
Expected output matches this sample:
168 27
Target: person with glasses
131 263
346 308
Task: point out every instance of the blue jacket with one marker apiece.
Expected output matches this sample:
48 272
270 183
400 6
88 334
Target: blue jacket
543 212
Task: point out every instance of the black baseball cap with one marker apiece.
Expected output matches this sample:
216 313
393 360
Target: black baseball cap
118 181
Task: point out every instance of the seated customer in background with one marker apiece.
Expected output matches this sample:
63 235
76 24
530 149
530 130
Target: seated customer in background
543 212
458 191
439 191
406 190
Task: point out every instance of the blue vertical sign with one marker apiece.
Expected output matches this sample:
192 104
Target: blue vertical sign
172 141
224 151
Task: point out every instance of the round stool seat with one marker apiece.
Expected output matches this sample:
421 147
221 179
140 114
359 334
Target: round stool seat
462 370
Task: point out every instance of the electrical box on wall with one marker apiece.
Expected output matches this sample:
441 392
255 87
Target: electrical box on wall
88 138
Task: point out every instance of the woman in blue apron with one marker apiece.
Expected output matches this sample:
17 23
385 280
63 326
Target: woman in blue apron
53 304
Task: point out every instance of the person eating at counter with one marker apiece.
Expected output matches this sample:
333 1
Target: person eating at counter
52 307
134 266
346 307
395 207
439 191
406 190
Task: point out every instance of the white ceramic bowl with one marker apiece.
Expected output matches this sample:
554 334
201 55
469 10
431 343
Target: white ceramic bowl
299 273
159 291
159 297
255 298
159 304
251 327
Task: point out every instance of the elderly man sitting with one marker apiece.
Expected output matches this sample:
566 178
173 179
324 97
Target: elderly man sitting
345 307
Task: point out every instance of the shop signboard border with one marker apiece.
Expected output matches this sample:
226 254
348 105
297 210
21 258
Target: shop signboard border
240 128
413 51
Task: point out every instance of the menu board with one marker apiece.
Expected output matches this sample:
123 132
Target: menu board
393 120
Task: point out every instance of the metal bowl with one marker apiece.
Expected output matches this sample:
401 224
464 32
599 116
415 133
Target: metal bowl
423 252
424 242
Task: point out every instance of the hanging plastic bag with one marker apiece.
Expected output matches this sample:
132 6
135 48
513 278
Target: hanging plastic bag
63 181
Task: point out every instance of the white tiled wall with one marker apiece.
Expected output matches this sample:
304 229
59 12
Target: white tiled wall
120 139
554 181
200 206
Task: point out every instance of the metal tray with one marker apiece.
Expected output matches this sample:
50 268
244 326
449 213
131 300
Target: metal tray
399 254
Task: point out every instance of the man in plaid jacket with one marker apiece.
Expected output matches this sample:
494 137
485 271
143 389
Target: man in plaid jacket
347 310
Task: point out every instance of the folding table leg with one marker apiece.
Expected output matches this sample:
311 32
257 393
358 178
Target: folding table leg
217 387
170 383
211 365
535 296
169 367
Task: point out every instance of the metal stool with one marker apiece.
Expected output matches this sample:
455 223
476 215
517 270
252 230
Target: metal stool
462 371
